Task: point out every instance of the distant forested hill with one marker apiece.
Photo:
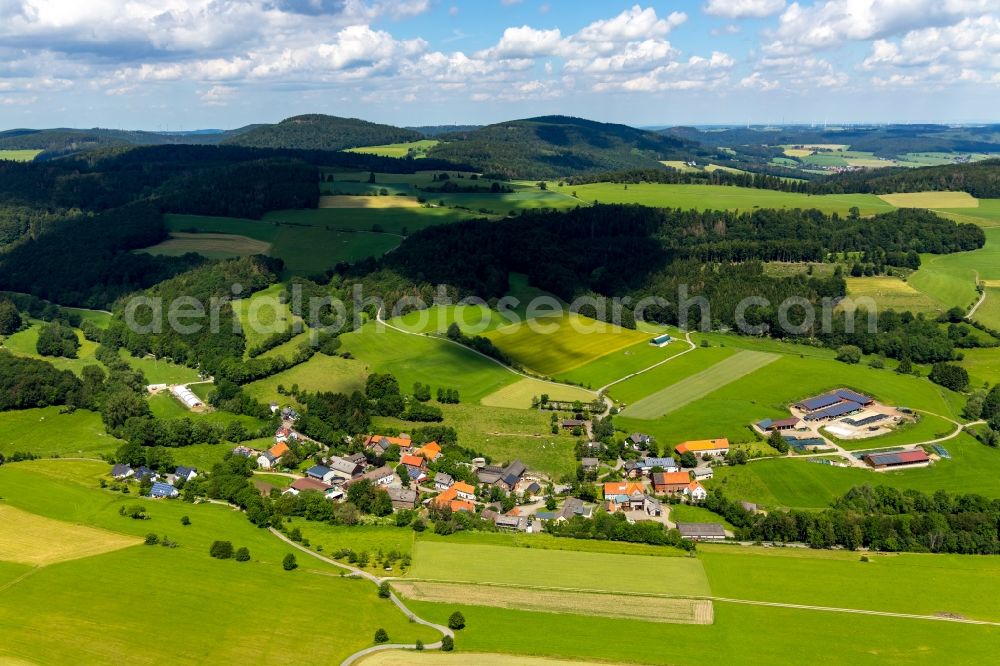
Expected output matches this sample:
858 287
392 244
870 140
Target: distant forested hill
555 146
980 179
320 132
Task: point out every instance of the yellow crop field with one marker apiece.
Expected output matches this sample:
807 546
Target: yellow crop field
31 539
931 200
359 201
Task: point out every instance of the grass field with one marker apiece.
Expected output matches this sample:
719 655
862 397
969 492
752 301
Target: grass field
699 385
956 584
804 637
417 148
506 435
356 201
623 362
406 658
766 392
687 513
212 246
160 371
28 538
721 197
604 604
46 432
568 570
19 155
636 388
519 394
25 343
104 605
472 319
263 314
892 293
797 483
931 200
426 359
554 345
320 373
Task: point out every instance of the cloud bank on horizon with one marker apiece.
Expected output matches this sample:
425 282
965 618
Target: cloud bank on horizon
175 64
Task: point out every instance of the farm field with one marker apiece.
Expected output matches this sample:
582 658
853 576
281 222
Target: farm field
417 148
472 319
986 214
554 345
799 484
202 456
604 604
722 197
27 538
25 343
983 366
46 432
519 394
320 373
263 314
623 362
766 392
636 388
955 584
505 435
359 538
160 371
357 201
569 570
931 200
408 658
165 406
189 594
19 155
688 513
426 359
211 246
699 385
806 637
892 293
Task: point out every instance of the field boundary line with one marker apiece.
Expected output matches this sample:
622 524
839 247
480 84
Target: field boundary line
698 597
691 348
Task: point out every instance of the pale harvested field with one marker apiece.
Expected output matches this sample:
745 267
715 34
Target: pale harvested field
355 201
31 539
646 608
798 152
408 657
211 245
931 200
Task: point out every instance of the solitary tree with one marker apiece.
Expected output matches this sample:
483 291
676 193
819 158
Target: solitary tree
447 644
381 636
185 520
289 562
221 550
456 620
243 554
383 590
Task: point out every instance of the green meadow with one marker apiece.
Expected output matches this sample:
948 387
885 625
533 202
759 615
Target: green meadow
638 387
194 601
25 343
623 362
505 435
47 432
417 148
973 468
554 345
19 155
320 373
426 359
722 197
530 567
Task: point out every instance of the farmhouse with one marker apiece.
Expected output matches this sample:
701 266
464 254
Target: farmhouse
120 471
344 469
666 464
321 473
701 531
639 441
356 458
627 495
696 491
380 444
489 474
443 481
382 476
430 451
590 464
661 340
574 507
897 459
161 490
304 484
708 447
670 482
510 475
272 456
187 397
572 423
402 498
185 473
772 425
282 434
464 491
450 498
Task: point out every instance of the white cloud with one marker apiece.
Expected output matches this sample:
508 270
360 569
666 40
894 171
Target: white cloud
758 82
744 8
216 95
632 24
695 74
830 23
526 42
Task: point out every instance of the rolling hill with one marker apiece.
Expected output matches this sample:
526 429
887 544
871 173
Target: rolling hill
322 132
555 146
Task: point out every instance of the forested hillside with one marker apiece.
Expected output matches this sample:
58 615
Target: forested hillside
980 179
556 146
320 132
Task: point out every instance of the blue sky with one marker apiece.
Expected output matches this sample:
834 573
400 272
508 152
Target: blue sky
183 64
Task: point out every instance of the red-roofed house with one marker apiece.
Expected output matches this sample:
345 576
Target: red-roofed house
671 482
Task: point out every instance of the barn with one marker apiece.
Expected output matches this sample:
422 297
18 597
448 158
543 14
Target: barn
897 458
